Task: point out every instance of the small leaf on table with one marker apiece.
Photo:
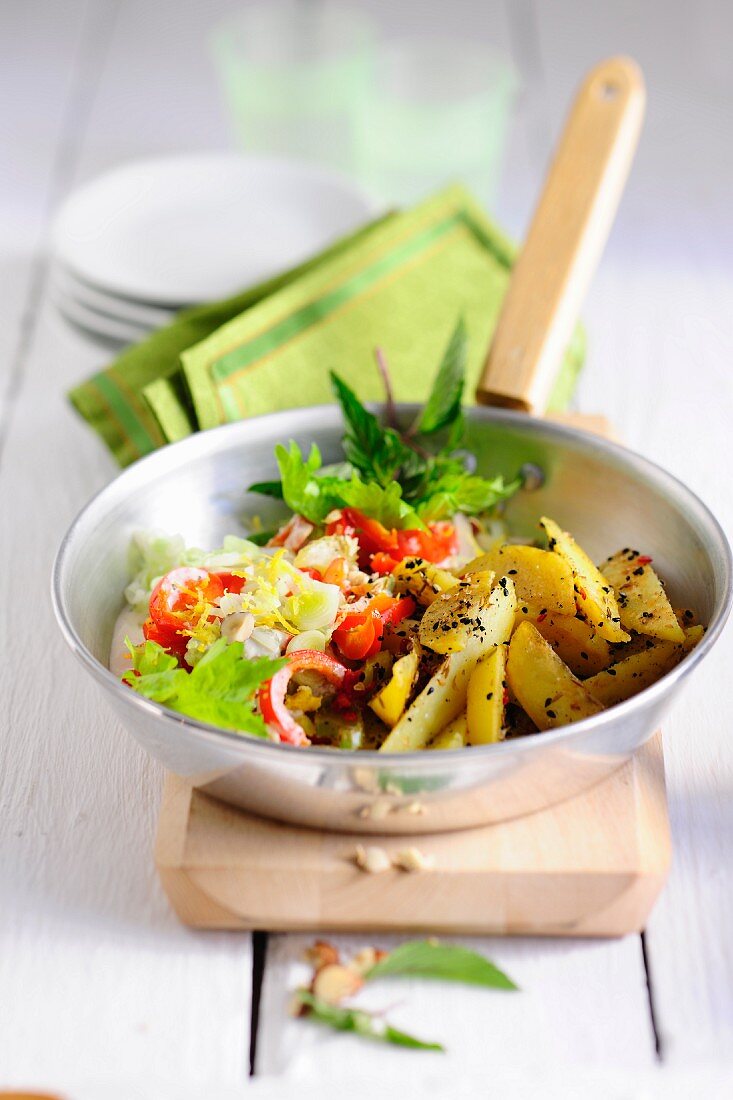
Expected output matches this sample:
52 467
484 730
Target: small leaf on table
446 962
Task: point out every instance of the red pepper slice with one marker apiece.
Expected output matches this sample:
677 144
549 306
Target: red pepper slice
335 573
231 582
314 574
384 562
360 634
271 696
356 635
380 550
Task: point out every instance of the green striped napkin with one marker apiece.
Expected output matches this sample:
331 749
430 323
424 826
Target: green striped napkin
399 284
140 402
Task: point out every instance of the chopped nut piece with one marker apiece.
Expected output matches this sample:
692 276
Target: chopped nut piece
412 859
334 983
372 860
365 959
366 779
377 810
322 954
238 626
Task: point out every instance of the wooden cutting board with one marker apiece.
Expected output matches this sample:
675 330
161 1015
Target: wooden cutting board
592 866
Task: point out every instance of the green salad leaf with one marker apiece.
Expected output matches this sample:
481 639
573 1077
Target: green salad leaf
446 962
313 494
393 478
219 689
363 1023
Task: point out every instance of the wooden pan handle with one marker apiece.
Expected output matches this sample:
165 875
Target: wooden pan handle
565 240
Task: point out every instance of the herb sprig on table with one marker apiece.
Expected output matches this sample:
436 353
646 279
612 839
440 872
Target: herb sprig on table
334 981
403 479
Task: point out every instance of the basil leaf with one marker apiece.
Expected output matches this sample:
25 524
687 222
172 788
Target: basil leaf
443 406
446 962
360 1022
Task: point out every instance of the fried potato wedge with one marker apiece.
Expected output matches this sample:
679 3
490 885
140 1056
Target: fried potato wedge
594 596
389 703
485 699
454 617
642 601
631 675
444 696
543 685
576 642
542 579
423 580
640 670
453 736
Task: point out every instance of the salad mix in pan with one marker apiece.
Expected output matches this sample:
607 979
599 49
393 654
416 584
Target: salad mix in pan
392 610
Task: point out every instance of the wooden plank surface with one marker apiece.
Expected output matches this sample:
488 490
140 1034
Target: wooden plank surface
100 980
581 1002
662 331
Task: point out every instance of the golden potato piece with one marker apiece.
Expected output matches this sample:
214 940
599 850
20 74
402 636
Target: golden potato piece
389 703
631 675
453 617
542 579
693 634
444 696
594 596
453 736
543 685
423 580
485 699
641 669
642 601
576 642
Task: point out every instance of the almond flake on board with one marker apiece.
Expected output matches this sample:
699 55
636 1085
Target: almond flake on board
373 860
412 859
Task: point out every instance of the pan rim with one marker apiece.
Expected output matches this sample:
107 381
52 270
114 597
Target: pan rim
202 443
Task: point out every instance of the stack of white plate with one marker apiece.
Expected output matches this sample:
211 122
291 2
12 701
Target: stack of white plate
135 245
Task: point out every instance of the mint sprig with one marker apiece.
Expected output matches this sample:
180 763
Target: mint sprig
402 481
366 1024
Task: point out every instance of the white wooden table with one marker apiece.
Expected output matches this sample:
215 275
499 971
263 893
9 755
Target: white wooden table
102 993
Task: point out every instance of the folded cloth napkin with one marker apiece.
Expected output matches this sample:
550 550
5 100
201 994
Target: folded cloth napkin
114 401
399 284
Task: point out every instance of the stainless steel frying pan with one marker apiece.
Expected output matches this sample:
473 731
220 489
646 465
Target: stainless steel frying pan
605 494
